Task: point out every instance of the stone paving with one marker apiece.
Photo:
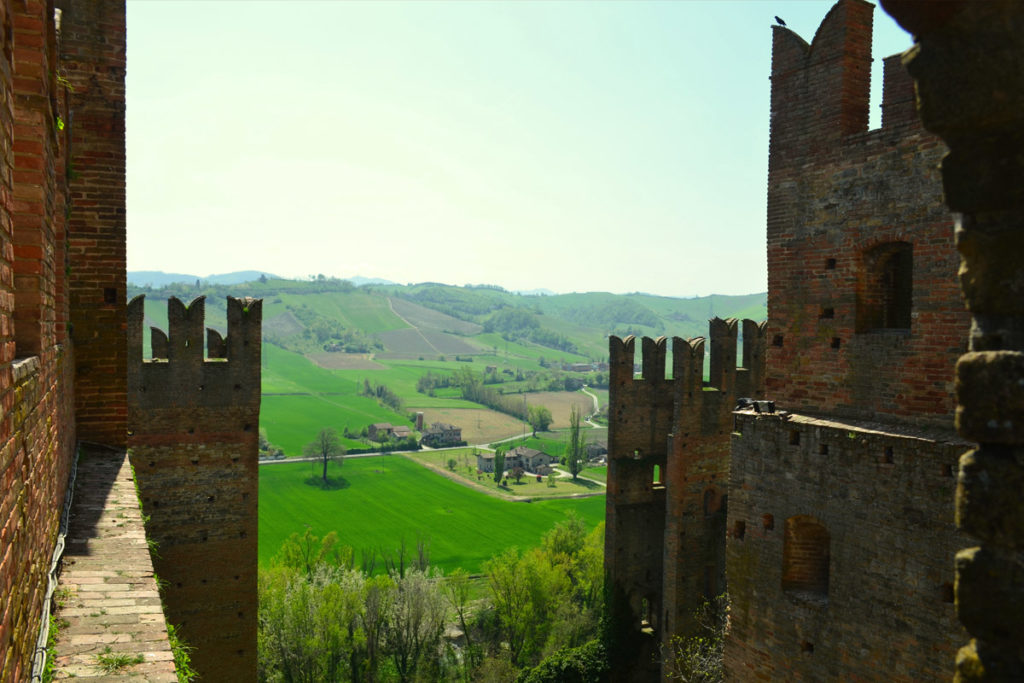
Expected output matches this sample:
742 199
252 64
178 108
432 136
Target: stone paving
110 608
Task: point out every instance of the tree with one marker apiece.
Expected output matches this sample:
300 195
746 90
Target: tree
413 632
575 453
452 462
326 447
539 418
499 465
517 473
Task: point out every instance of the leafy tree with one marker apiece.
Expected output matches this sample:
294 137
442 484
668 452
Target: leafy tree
452 462
539 418
499 465
457 591
326 448
307 552
576 452
416 622
517 473
698 658
308 624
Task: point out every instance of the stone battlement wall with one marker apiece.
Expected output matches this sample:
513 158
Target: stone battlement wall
193 422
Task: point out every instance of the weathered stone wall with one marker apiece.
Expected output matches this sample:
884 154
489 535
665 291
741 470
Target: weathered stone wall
193 424
668 443
840 199
93 59
879 603
966 62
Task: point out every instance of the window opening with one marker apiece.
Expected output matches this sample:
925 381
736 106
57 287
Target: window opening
885 288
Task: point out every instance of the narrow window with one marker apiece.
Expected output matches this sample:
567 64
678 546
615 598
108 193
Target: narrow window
805 556
885 288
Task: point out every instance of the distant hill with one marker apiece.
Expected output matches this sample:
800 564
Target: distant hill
158 278
432 321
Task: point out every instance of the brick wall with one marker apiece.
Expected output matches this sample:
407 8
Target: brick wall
193 425
844 566
37 435
92 51
837 196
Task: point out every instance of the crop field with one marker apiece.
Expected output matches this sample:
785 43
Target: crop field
356 310
479 425
428 318
345 361
407 343
378 501
560 403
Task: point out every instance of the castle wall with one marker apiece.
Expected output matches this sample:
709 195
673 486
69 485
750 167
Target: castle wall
886 608
668 440
92 48
839 196
193 423
37 435
840 523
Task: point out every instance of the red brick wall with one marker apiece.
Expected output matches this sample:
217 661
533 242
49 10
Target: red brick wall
93 58
835 191
37 433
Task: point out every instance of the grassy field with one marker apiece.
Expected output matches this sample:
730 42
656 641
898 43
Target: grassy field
379 500
598 473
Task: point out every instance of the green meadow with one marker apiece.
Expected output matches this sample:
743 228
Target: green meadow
375 502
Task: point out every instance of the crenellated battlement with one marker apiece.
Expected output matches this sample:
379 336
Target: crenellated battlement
821 90
687 376
179 371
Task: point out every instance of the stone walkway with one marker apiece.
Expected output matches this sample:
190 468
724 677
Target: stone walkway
110 609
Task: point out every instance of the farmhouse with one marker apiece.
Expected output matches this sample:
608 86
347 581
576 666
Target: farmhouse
530 459
485 462
379 430
441 434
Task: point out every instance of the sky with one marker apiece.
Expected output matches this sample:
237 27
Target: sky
563 145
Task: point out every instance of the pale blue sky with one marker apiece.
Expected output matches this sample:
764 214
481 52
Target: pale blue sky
574 146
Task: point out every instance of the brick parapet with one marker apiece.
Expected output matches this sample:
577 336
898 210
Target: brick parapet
883 495
193 424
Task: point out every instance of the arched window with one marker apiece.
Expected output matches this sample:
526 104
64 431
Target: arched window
805 556
885 287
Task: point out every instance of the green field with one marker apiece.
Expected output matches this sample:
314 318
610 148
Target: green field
380 500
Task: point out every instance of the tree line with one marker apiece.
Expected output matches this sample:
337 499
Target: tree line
322 618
